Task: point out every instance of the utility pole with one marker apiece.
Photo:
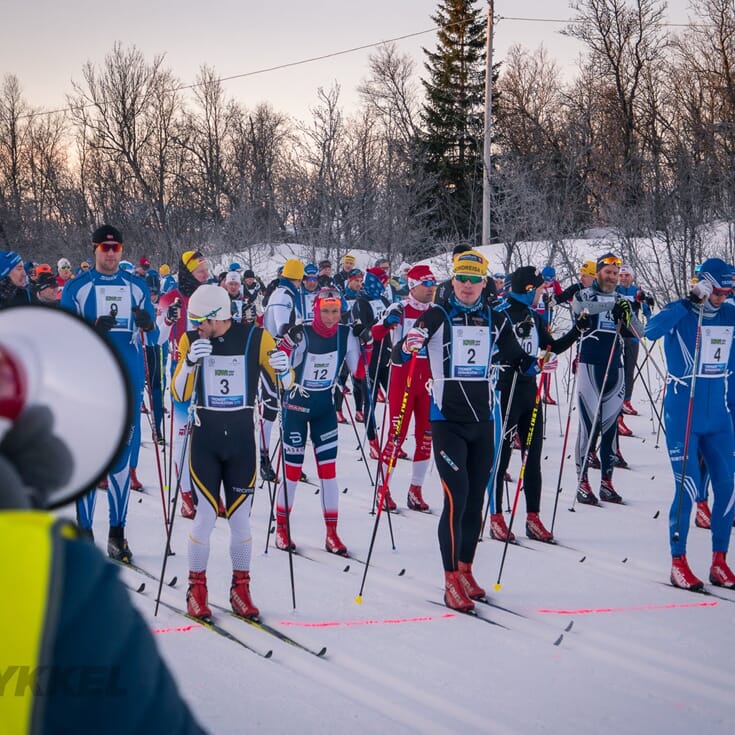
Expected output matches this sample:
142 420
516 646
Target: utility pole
488 124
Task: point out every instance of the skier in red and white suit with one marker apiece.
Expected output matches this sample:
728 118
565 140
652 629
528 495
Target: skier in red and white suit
398 319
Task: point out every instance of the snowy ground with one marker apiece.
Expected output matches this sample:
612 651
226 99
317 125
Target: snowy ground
597 641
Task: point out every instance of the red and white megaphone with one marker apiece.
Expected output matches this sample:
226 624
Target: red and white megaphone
65 408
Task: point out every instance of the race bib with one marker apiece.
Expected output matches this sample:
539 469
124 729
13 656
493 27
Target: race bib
319 371
605 322
715 350
224 382
378 309
470 352
114 301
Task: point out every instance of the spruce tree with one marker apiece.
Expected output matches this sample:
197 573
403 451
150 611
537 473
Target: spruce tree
453 117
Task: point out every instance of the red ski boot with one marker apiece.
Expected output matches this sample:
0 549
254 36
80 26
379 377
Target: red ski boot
585 494
454 595
341 418
536 530
703 519
498 529
608 492
188 509
359 417
374 448
548 400
415 500
388 503
628 409
334 544
720 574
196 596
135 483
282 538
683 577
593 461
240 600
623 430
469 583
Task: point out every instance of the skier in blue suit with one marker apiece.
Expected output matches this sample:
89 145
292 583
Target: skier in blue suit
119 305
711 427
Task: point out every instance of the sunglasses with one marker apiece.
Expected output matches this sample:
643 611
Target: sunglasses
65 268
611 260
468 279
329 295
428 283
311 278
110 247
201 319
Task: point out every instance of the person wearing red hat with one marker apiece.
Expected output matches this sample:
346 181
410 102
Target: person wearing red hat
397 321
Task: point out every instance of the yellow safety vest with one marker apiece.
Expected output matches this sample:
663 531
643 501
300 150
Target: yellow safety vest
30 569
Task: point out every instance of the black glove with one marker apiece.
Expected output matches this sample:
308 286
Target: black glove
296 333
174 312
40 458
363 333
142 319
621 312
523 329
104 324
650 301
583 322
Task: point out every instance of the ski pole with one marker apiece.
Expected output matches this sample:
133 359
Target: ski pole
498 450
184 447
593 425
521 474
688 430
564 451
386 479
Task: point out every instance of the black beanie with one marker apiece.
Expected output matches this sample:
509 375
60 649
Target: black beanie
523 277
106 233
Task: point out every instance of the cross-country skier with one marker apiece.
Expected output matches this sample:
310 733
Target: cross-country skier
700 329
119 305
460 337
230 357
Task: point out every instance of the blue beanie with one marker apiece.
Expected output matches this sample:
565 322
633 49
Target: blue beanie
311 270
548 273
372 287
8 260
717 272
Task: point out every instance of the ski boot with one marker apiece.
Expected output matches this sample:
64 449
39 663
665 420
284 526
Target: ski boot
498 530
188 509
266 468
455 596
341 418
388 503
623 430
374 448
593 461
683 577
282 538
359 417
135 483
608 492
117 545
333 543
628 408
548 400
720 574
415 500
469 583
196 596
536 530
585 494
240 600
619 461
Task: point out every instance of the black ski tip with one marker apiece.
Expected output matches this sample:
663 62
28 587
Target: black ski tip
323 652
140 500
582 559
569 456
569 627
653 477
559 640
316 492
173 581
347 568
624 560
268 653
656 514
141 587
546 457
402 572
344 491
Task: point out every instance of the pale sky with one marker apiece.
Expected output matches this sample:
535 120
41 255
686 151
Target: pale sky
46 42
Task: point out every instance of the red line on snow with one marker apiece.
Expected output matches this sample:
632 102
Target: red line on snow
347 623
180 629
634 608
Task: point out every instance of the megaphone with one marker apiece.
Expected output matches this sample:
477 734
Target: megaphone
65 407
